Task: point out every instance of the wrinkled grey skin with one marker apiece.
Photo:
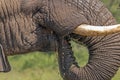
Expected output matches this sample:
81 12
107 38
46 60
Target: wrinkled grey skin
20 32
21 28
104 51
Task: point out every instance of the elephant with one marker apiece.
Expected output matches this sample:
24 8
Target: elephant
43 25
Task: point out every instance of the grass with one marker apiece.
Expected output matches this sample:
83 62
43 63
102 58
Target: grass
41 66
117 76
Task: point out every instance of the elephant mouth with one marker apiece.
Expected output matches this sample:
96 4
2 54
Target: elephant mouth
89 30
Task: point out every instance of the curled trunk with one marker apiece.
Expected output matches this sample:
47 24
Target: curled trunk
104 58
104 51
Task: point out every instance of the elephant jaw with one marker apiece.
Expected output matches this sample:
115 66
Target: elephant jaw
89 30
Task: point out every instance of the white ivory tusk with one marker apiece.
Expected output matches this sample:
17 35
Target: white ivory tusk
88 30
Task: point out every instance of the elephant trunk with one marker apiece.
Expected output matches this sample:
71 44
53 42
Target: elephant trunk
104 59
104 51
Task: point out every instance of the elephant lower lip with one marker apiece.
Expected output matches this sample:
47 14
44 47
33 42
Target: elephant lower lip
88 30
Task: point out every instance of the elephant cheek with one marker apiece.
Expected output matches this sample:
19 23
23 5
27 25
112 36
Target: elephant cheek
41 40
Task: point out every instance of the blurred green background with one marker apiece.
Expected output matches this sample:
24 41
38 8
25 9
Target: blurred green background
44 66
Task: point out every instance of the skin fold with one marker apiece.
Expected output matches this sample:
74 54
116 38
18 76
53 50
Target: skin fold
31 25
19 30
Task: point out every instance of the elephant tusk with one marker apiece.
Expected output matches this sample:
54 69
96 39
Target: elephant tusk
88 30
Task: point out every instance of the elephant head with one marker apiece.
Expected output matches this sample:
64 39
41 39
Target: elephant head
75 16
21 32
71 16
